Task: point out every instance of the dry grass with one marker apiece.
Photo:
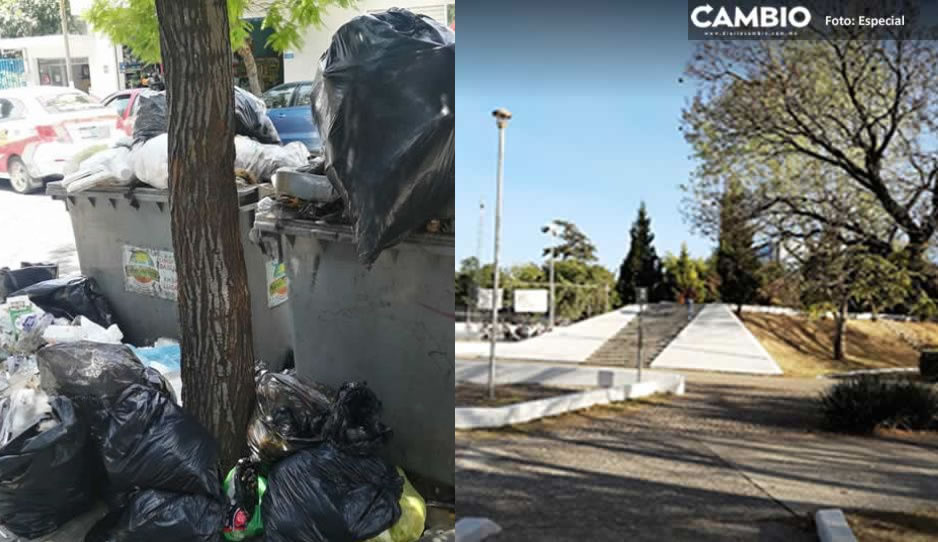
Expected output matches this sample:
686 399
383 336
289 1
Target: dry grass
912 526
568 420
803 346
477 395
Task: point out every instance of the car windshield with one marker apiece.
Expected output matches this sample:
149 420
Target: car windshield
67 102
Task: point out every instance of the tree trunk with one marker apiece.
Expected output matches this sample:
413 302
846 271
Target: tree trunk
213 300
250 66
840 332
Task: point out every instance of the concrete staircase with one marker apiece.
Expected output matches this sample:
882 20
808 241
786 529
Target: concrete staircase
661 322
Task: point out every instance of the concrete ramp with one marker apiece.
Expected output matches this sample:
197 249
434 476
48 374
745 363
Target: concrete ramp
572 344
717 341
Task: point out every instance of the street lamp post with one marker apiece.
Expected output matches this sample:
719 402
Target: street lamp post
502 116
553 255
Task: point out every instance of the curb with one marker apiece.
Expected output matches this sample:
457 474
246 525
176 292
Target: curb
832 526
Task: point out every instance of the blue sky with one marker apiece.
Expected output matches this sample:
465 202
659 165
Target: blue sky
593 87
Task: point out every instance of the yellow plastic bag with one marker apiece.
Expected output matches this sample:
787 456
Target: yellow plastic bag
409 528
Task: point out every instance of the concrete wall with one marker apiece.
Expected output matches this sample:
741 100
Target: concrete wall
300 65
96 48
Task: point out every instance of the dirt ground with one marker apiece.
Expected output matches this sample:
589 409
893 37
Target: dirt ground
803 346
919 525
477 395
737 458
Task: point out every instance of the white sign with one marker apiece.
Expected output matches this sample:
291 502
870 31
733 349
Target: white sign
150 271
531 301
485 298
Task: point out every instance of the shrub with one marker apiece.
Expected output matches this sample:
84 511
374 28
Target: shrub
860 405
928 365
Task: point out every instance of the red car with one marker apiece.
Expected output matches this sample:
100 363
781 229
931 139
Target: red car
125 103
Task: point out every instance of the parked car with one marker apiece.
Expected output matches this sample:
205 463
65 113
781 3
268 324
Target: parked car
289 107
125 103
41 128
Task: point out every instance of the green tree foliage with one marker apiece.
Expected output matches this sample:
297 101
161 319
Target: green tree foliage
641 266
574 244
20 18
466 282
686 277
736 262
836 135
133 22
837 276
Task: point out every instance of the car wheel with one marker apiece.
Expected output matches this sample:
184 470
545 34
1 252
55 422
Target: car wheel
20 179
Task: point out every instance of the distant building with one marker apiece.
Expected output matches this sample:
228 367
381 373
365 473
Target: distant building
95 61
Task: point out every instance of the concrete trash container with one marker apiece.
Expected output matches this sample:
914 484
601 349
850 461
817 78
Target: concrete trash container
391 326
124 241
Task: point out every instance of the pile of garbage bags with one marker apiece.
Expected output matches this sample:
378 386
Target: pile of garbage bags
145 157
83 422
316 471
384 101
156 465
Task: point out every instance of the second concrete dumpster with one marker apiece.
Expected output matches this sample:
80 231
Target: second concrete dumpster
391 326
124 241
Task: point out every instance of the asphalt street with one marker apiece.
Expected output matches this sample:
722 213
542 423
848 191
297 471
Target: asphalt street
35 228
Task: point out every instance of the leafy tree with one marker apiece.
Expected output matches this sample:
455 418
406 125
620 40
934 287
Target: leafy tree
21 18
838 275
214 305
134 23
528 274
736 262
686 276
574 243
466 282
641 266
835 135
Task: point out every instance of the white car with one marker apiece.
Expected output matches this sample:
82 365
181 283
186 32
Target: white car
41 128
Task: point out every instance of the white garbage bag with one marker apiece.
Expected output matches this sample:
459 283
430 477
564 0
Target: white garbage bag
109 167
150 161
263 161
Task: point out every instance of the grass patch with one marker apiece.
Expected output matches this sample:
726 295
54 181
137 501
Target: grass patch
803 346
875 526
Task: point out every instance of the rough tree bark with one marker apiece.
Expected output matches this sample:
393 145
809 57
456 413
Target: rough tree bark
214 304
250 66
840 331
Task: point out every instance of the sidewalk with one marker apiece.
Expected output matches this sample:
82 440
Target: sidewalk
571 344
717 341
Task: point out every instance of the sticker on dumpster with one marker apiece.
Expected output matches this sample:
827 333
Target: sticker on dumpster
278 285
150 272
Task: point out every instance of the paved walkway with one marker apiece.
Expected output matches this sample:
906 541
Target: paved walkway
717 341
572 344
731 460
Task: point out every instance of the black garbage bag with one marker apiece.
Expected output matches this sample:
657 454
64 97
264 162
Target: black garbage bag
48 477
71 297
152 442
384 101
153 515
86 370
12 280
152 116
289 416
251 118
354 424
322 494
